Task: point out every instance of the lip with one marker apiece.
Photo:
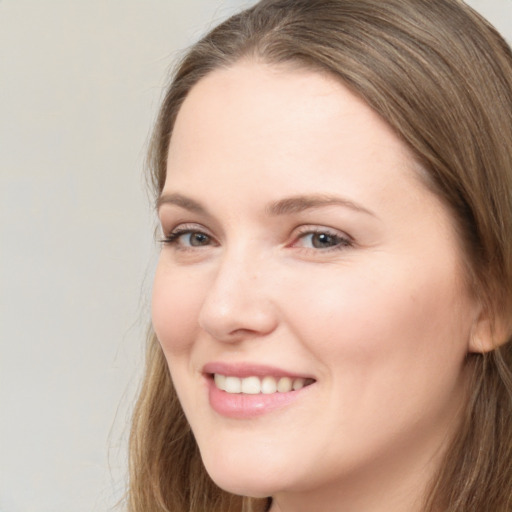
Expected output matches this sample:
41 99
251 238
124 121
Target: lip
244 406
242 370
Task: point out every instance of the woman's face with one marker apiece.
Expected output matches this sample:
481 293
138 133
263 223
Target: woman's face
304 251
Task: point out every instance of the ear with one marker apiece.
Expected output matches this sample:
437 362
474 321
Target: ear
489 331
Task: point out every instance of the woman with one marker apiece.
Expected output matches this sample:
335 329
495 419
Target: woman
331 307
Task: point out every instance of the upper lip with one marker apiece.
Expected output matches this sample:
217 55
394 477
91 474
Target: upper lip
242 370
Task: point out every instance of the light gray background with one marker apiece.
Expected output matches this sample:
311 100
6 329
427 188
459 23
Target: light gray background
80 83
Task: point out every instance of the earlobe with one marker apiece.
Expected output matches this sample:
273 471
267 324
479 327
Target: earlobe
488 333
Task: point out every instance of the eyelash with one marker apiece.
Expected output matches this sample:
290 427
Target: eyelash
173 238
341 241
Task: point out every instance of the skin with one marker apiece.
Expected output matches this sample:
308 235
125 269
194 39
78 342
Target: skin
380 316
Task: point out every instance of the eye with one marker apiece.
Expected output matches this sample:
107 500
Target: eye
322 239
187 238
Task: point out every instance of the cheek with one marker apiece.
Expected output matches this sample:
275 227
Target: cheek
175 307
391 347
385 319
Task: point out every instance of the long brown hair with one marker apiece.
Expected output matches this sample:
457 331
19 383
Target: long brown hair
441 76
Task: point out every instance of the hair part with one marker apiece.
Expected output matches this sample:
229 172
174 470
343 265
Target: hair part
441 77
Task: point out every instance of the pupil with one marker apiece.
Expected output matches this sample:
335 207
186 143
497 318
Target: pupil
323 240
198 239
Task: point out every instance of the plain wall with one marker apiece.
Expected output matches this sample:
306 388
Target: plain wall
79 87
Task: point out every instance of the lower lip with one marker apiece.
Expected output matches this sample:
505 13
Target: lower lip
244 406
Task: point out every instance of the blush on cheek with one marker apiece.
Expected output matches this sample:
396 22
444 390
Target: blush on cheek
170 317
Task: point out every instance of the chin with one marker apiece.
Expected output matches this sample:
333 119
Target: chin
243 485
240 478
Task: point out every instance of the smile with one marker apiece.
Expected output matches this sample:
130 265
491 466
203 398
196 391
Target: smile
254 385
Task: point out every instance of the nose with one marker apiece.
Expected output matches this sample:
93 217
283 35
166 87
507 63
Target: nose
239 304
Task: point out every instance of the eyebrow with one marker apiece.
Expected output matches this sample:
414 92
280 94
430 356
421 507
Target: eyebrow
286 206
297 204
182 201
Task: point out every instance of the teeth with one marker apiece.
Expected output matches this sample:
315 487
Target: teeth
298 384
251 386
254 385
284 385
233 385
220 381
268 385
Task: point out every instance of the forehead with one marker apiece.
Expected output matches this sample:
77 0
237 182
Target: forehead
285 111
279 94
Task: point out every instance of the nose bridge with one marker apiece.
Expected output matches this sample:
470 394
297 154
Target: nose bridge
238 301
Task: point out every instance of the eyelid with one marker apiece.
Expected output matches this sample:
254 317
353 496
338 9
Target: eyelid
171 237
184 226
302 231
